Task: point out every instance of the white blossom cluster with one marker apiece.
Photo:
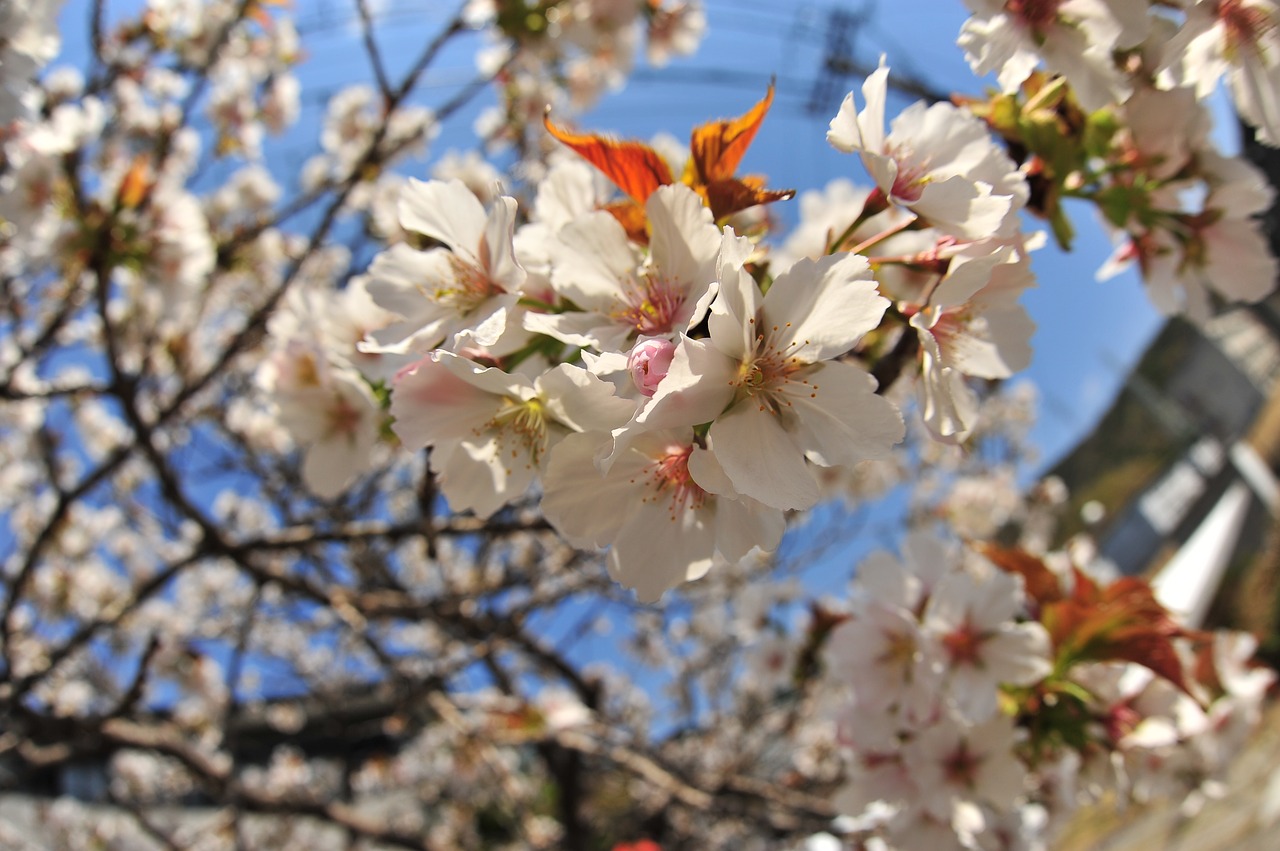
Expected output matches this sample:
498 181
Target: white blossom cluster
1140 73
306 475
703 403
926 684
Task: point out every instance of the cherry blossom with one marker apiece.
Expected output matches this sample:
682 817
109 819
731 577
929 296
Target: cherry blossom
467 290
490 431
1075 38
937 161
664 527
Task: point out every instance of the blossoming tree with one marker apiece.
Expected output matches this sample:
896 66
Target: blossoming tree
310 497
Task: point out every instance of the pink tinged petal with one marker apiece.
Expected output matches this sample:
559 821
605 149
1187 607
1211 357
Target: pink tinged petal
823 307
761 458
446 211
587 508
496 250
697 388
841 420
430 403
582 401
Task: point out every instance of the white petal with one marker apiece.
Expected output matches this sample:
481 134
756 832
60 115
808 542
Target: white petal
584 506
734 311
844 421
497 254
685 242
656 551
959 206
591 261
447 211
762 459
823 306
431 404
744 524
866 131
482 475
582 401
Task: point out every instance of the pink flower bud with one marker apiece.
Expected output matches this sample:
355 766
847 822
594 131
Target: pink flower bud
649 362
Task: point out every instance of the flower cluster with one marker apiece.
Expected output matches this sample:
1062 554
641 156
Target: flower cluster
982 695
1118 118
674 395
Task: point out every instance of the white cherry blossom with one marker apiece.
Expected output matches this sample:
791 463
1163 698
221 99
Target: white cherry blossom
623 294
464 292
1074 38
938 161
490 431
769 383
663 526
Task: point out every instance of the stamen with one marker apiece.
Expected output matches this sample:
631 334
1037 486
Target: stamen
523 422
670 479
469 288
652 305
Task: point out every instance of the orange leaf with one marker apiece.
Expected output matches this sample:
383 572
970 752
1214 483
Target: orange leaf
1122 622
729 195
1041 583
136 183
636 168
717 147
